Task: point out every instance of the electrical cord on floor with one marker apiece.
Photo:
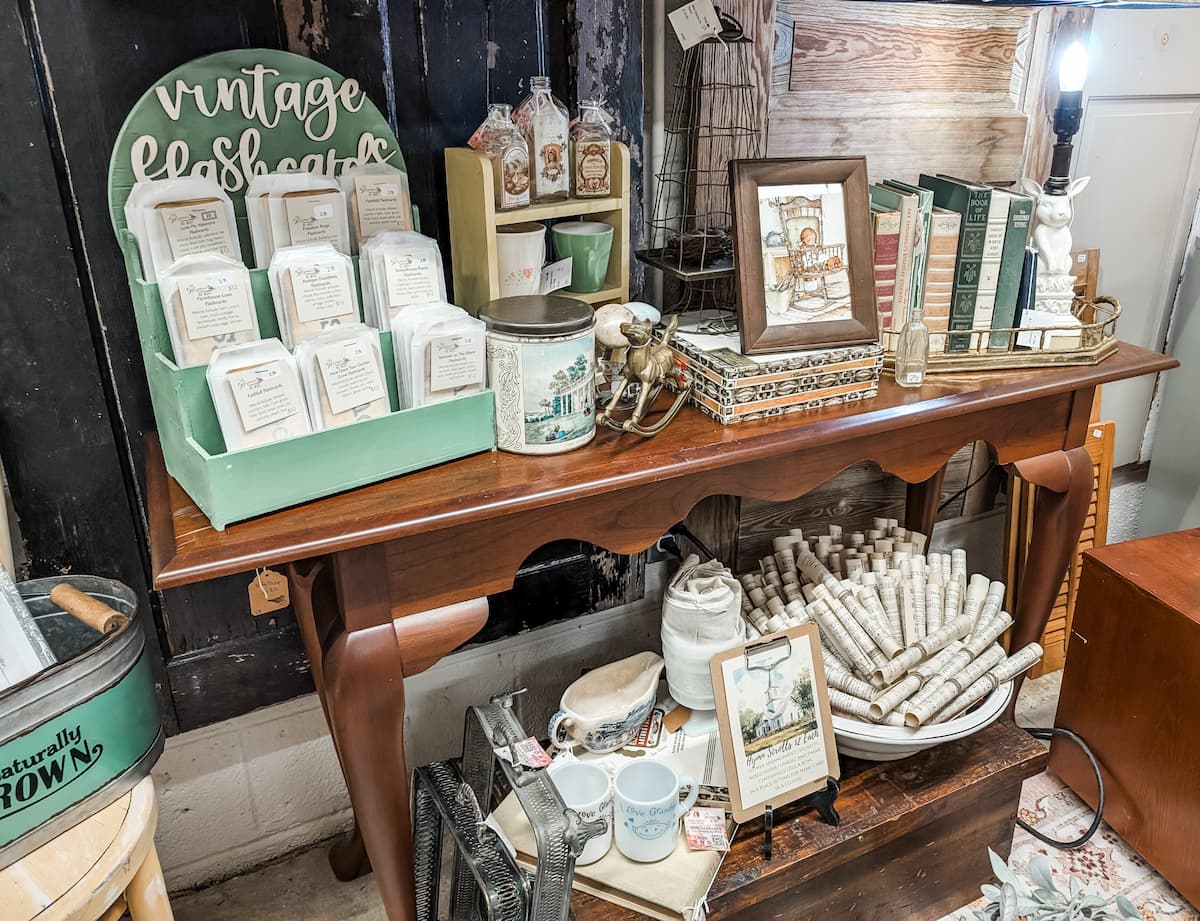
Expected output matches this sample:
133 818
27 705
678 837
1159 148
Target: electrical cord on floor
1046 735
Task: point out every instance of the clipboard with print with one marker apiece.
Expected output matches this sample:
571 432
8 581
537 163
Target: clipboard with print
776 727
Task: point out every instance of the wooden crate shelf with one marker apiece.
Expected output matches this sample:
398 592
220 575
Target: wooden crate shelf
474 219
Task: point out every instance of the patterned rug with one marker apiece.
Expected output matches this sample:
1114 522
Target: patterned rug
1105 865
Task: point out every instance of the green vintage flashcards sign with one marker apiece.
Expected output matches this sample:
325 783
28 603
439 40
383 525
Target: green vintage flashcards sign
236 114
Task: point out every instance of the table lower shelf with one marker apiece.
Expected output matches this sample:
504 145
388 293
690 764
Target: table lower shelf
912 844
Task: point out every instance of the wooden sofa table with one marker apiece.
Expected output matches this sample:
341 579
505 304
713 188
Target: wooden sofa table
389 578
912 844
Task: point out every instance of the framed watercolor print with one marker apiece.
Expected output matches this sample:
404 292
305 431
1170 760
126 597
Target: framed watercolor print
803 255
774 718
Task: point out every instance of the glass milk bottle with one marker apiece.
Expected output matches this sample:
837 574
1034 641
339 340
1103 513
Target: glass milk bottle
544 122
510 158
912 352
591 152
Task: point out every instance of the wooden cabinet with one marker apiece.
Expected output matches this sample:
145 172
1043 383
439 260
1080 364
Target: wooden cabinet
1129 690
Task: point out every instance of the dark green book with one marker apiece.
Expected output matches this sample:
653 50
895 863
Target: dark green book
1008 285
973 203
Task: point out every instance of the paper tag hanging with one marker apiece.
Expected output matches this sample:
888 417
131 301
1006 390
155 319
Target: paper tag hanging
704 828
268 592
529 753
694 22
555 276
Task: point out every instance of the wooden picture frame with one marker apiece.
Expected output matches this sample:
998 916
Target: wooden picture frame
794 754
807 278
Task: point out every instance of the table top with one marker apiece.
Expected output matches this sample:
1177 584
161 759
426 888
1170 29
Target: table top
185 548
1165 567
879 802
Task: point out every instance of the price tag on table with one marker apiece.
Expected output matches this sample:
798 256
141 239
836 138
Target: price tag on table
704 828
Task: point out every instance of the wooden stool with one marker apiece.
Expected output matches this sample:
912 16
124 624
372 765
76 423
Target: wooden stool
94 871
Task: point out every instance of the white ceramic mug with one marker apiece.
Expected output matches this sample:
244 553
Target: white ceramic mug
587 789
520 252
647 809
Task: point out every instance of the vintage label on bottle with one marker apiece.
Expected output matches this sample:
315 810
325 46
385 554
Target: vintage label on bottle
351 374
323 290
198 227
514 178
315 217
216 304
411 277
455 361
382 205
550 152
592 160
265 394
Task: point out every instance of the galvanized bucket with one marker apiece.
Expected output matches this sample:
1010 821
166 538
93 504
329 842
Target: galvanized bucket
81 734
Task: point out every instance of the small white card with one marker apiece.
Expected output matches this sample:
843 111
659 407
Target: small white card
555 276
201 227
215 304
265 394
455 361
323 290
381 205
704 828
351 374
694 22
412 277
315 218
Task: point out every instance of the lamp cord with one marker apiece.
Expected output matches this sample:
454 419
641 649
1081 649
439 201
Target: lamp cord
1045 735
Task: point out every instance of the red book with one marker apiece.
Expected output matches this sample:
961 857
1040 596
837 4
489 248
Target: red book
887 249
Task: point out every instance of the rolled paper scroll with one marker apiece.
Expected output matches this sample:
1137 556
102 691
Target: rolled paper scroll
975 692
898 666
933 604
958 561
838 676
917 581
917 714
775 605
891 607
837 637
878 630
809 590
774 585
992 603
1017 663
908 615
833 657
986 662
878 564
886 702
919 541
936 642
791 592
797 613
845 705
861 638
785 559
789 577
938 664
977 590
752 632
775 623
984 636
881 630
952 602
747 604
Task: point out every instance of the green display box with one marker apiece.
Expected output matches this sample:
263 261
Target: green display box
233 486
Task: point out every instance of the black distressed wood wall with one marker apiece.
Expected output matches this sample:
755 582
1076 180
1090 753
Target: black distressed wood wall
76 408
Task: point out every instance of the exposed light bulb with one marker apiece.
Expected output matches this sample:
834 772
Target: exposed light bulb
1073 68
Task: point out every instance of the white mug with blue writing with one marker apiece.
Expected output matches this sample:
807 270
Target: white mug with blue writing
647 809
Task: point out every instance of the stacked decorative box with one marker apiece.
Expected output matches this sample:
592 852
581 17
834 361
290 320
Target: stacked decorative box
732 387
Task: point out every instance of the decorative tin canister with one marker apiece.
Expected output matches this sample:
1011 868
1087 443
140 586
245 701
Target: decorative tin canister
82 733
541 354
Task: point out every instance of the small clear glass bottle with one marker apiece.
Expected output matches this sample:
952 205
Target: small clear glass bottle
591 152
912 352
502 142
544 122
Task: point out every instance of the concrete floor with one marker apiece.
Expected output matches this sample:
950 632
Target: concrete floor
302 888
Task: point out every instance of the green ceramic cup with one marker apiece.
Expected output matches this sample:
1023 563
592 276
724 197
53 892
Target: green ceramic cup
589 244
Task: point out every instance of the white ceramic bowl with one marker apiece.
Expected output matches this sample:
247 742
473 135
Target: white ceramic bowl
873 742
